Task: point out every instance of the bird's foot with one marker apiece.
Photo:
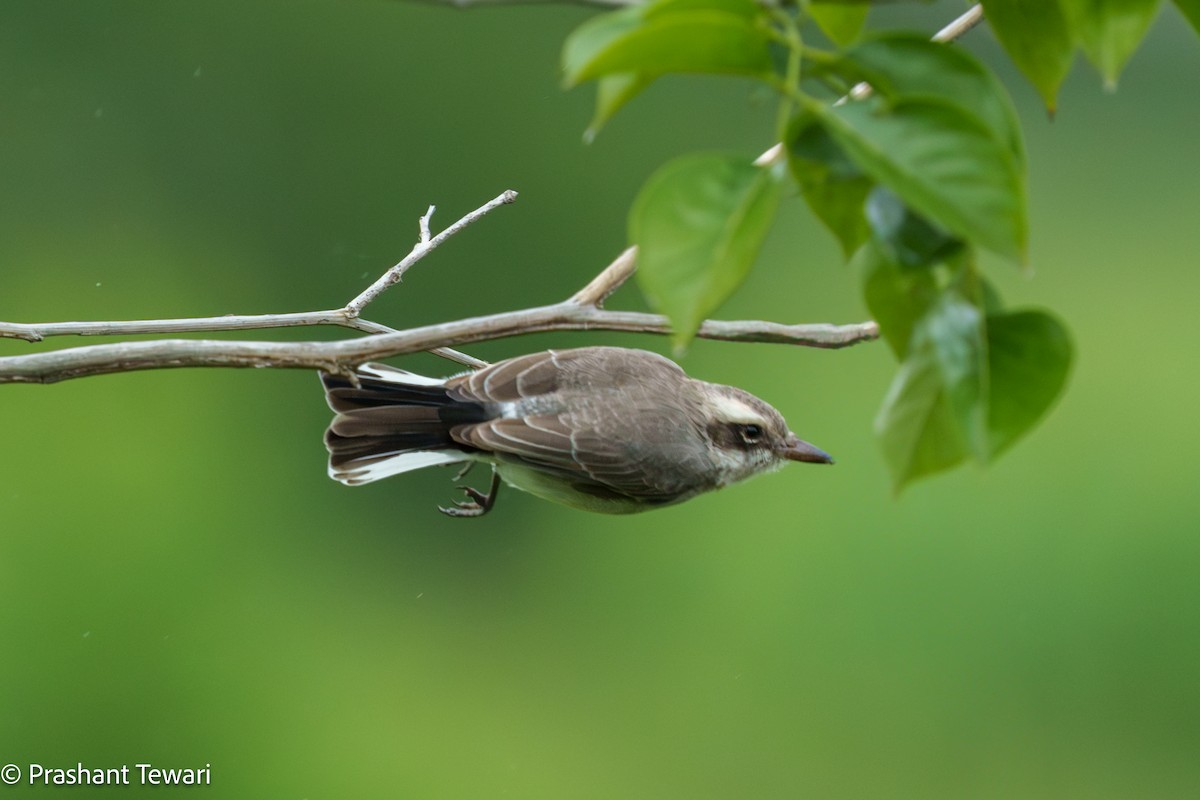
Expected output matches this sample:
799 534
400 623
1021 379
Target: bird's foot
478 503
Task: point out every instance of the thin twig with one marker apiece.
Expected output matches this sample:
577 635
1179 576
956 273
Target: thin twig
967 20
423 224
609 280
420 250
582 311
860 91
346 317
231 322
448 353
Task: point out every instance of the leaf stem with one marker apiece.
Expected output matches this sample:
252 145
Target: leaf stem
790 88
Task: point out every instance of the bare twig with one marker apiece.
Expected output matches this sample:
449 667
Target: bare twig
39 331
582 311
609 280
860 91
422 247
967 20
423 225
569 315
231 322
346 317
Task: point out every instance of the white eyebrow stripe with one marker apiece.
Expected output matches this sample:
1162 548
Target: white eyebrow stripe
730 409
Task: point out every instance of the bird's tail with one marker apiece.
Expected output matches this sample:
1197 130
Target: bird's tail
391 421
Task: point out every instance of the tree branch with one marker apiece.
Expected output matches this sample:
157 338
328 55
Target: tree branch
582 311
346 317
77 362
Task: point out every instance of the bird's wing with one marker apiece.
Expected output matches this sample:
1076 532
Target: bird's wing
545 373
511 380
594 464
543 441
561 426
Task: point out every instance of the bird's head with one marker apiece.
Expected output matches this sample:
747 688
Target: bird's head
749 436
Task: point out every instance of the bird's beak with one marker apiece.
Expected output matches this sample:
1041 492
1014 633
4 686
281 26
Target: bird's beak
798 450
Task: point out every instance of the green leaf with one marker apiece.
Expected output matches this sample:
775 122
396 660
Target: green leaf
1037 39
613 92
896 297
953 334
626 50
906 238
699 41
973 378
598 34
905 66
840 22
834 188
1191 10
699 223
935 413
1110 30
969 385
705 36
942 163
916 425
1029 358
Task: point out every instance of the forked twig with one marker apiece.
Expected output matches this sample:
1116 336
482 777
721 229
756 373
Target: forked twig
582 311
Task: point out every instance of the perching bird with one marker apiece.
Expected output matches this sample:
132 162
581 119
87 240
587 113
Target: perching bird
599 428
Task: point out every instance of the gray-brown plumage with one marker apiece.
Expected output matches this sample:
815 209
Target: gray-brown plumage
601 428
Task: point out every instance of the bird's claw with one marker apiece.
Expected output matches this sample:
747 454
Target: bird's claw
478 503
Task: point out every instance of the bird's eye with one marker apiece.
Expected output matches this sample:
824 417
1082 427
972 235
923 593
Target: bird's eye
752 434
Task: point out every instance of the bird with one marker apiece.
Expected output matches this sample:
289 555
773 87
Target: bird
605 429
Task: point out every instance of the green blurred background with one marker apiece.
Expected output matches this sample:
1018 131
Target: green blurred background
180 583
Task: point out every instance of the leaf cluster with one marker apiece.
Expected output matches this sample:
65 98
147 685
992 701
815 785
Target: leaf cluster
908 151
